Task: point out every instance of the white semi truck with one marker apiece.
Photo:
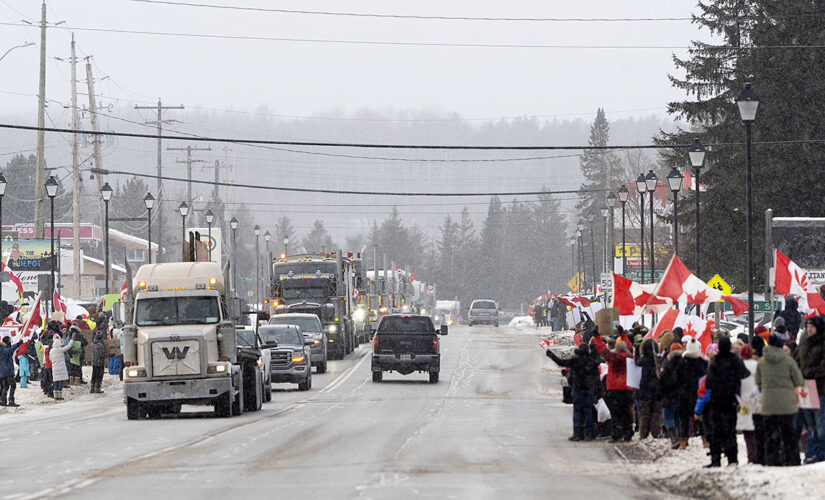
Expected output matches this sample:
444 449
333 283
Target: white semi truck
179 344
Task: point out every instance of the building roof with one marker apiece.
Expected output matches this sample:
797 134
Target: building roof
128 237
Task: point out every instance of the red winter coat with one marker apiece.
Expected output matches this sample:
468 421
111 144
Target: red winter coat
616 364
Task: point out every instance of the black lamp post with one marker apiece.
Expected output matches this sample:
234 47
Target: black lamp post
106 193
674 181
748 101
233 224
257 231
651 180
641 187
51 191
604 210
184 211
267 238
2 192
573 255
210 218
149 201
582 266
623 195
611 205
591 218
697 158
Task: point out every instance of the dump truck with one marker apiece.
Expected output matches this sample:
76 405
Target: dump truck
179 344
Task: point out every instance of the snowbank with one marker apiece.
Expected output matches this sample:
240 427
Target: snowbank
521 321
33 397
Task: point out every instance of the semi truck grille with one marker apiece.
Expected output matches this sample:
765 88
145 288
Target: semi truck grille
171 358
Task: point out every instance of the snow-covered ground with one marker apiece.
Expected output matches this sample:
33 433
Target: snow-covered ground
33 397
521 321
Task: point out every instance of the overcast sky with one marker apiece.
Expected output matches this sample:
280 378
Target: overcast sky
297 78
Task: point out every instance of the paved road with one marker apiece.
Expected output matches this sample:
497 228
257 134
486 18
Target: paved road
494 427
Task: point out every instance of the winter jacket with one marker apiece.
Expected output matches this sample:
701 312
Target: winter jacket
47 360
750 402
725 374
776 376
811 356
791 316
669 380
38 347
647 360
6 361
616 364
584 370
703 395
58 356
690 370
98 352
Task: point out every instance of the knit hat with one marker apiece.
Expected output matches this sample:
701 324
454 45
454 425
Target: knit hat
712 349
776 341
762 332
692 348
724 345
676 346
746 352
779 322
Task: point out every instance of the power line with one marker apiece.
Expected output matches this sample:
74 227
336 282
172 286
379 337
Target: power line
413 16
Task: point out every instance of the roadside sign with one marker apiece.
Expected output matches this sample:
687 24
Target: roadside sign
637 275
252 278
718 283
607 286
575 282
758 306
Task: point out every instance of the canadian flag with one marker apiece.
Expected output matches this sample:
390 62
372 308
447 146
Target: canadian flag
546 343
12 277
681 286
355 293
24 335
412 277
694 326
574 300
59 304
124 289
792 279
634 299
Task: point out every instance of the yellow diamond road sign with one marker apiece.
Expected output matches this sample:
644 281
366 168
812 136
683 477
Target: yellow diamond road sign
718 283
575 282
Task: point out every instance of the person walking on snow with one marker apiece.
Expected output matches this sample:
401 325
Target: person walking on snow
7 382
724 381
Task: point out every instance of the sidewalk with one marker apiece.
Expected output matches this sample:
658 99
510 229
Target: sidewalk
33 397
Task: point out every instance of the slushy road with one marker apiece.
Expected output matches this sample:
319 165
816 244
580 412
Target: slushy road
494 427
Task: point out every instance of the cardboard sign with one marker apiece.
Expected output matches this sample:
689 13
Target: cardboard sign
634 374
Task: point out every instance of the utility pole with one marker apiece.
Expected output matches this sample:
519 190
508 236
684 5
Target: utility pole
40 171
75 180
159 201
90 81
189 161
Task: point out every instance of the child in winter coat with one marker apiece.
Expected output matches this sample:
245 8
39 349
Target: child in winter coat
23 370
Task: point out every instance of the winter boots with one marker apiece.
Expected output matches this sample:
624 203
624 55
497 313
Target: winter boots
674 438
58 395
95 389
682 443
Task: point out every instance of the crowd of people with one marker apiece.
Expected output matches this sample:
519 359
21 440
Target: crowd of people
55 357
550 312
734 385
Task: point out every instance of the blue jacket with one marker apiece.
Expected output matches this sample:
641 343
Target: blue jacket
6 363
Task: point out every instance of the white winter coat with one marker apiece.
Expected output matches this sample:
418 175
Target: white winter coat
58 356
750 402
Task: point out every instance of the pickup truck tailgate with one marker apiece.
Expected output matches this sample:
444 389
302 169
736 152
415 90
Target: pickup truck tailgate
419 343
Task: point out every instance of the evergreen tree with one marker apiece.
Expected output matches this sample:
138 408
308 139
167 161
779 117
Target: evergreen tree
284 229
318 240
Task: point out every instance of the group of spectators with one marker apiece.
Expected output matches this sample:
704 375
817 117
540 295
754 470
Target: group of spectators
550 312
55 357
734 385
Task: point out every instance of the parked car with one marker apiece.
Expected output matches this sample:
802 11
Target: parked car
246 337
483 312
311 329
406 343
291 355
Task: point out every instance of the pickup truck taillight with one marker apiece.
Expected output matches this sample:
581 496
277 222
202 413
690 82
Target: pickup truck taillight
375 343
435 342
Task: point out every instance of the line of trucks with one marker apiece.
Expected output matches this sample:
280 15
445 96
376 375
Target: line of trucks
181 340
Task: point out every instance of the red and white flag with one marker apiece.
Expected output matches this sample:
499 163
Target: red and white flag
355 293
59 304
790 278
807 396
694 326
12 277
24 334
124 289
546 343
634 299
681 286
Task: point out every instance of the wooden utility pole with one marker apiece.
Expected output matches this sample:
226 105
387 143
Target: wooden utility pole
40 170
75 180
159 195
189 161
90 81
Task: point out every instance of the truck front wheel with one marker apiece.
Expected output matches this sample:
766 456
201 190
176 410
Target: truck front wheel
254 396
223 407
134 410
377 376
433 377
237 405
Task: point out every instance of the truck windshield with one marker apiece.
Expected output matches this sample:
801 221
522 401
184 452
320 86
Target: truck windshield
284 336
177 311
307 325
405 324
305 268
245 338
484 304
304 293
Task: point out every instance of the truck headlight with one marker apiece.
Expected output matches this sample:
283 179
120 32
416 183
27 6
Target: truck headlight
359 315
297 358
332 328
217 368
136 372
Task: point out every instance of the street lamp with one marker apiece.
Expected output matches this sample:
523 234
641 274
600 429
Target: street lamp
3 184
106 193
286 244
611 204
257 231
651 180
573 254
674 181
184 211
210 218
604 210
267 237
51 191
623 196
697 157
747 102
233 224
580 234
149 201
591 218
641 187
24 45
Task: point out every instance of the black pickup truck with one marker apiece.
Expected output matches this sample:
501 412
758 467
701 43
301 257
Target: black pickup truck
406 343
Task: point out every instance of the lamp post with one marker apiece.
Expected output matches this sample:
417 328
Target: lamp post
674 181
604 211
51 191
257 231
233 224
573 255
591 218
106 193
149 201
747 102
580 234
210 218
641 187
696 153
286 245
651 180
2 192
611 204
267 238
623 195
184 211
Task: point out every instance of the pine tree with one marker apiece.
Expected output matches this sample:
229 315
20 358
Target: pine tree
318 239
284 229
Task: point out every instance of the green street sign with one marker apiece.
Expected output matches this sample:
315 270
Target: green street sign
637 275
758 306
251 278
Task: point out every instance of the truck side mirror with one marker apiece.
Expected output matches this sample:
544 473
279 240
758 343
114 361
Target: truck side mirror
272 344
443 329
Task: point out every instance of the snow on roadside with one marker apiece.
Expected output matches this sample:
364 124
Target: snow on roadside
33 397
683 473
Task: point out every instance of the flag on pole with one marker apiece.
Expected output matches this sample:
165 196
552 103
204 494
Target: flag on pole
59 304
790 278
694 326
634 299
12 277
681 286
123 290
24 334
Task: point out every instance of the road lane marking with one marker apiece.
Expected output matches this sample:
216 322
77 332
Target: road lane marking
346 375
